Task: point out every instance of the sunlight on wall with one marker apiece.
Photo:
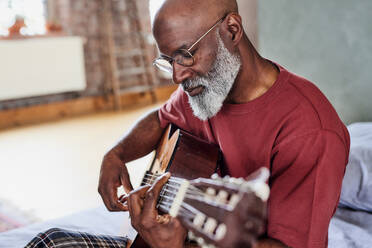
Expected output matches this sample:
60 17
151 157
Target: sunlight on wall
154 5
33 11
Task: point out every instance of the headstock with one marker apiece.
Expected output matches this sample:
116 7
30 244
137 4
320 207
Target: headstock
225 212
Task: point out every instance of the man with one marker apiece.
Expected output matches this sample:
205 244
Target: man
255 110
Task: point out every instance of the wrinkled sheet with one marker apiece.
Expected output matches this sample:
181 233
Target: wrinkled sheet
357 184
350 229
351 225
96 221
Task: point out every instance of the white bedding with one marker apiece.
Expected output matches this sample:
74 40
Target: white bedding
357 184
350 229
98 221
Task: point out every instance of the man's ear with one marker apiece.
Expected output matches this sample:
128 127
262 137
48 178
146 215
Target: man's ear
234 28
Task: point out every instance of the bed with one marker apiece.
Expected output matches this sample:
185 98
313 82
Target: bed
351 226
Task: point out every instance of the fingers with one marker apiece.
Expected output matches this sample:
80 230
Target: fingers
251 205
149 207
112 171
125 180
246 240
135 204
163 219
174 223
110 198
254 226
123 199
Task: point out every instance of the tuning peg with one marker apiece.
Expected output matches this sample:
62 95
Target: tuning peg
191 235
222 196
215 176
210 225
232 180
234 200
200 242
208 246
261 189
237 181
220 231
199 220
210 191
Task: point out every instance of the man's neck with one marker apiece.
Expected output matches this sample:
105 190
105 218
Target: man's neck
257 75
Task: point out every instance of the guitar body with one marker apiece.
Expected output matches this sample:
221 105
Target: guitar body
185 156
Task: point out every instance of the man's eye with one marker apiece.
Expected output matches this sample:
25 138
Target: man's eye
170 60
193 51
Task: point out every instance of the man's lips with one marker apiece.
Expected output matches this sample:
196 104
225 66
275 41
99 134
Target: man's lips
195 91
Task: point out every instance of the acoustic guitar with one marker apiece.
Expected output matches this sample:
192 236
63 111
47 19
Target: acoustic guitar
195 194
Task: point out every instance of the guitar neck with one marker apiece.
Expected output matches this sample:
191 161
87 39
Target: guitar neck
202 205
172 193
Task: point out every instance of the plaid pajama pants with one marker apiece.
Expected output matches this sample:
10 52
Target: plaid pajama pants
60 238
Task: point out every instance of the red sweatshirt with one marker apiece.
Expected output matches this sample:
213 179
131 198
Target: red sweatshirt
295 132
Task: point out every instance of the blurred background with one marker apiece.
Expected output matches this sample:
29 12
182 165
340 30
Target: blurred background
76 74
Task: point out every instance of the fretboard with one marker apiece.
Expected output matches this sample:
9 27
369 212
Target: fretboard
171 195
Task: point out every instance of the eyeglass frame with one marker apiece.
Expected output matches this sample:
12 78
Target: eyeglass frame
170 59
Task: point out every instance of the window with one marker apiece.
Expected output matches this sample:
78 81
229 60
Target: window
32 11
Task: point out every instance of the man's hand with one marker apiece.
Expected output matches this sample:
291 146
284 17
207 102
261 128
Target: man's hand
139 141
157 230
113 174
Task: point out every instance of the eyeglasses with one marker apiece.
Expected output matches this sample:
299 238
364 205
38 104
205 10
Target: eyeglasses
182 57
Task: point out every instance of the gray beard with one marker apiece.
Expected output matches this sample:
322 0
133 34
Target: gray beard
217 83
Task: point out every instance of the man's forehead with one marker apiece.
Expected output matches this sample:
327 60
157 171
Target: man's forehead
177 34
179 23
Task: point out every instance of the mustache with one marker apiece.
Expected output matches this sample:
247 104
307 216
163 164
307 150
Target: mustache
195 82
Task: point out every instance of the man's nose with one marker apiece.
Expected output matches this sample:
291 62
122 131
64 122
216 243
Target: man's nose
181 73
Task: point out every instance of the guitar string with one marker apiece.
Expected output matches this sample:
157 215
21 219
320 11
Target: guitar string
191 188
170 181
148 183
153 176
158 175
166 190
168 198
166 201
182 212
191 193
188 212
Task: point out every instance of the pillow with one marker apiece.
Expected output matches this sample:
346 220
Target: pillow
356 190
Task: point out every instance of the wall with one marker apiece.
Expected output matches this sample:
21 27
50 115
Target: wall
248 11
84 18
33 67
328 42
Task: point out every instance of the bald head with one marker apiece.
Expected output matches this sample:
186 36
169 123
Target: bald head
178 23
211 8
